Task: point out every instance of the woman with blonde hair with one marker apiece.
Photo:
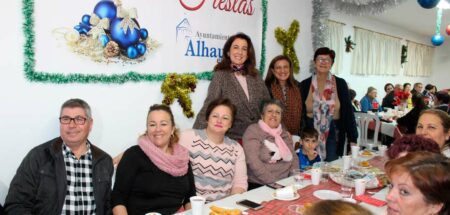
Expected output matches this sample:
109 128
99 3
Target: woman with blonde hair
154 175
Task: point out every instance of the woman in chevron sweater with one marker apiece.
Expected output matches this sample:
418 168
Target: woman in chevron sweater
218 162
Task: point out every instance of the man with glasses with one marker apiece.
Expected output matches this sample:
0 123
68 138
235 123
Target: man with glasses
66 175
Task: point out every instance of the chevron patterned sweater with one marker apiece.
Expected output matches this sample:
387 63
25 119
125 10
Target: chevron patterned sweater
217 168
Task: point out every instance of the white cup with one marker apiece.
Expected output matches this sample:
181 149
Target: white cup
316 174
197 203
382 150
355 151
346 160
153 213
360 186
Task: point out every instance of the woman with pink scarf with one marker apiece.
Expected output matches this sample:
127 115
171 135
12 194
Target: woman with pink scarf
268 147
155 175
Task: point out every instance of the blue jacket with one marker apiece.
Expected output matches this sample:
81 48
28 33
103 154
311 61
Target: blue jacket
303 160
39 186
366 104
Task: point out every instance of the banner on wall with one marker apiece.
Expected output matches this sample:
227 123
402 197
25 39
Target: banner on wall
187 36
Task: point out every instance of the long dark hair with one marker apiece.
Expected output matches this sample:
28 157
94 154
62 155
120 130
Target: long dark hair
270 77
249 64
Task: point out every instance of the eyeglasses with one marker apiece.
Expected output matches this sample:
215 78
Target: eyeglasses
324 60
79 120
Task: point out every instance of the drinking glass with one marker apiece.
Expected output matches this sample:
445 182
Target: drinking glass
298 178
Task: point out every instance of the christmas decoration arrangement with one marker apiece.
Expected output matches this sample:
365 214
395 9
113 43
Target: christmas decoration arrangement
178 86
287 40
110 33
56 77
349 44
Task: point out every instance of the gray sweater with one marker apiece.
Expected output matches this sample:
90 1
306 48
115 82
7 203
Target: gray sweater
224 84
257 156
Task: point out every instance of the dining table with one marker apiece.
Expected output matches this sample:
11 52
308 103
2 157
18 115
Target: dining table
272 206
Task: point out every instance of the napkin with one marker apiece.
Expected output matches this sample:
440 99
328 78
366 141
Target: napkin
370 200
286 192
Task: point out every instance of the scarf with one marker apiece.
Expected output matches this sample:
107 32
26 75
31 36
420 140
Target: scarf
323 110
237 68
293 103
175 164
285 153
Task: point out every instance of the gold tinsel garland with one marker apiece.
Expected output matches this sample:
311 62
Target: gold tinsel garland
177 86
287 40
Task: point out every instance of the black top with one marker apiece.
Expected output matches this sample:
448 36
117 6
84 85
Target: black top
388 100
409 121
142 187
346 124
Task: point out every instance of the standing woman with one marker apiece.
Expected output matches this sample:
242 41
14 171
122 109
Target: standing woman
218 162
282 86
155 175
237 79
328 107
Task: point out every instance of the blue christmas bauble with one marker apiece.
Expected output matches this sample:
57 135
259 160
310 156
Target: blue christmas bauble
85 19
130 37
106 9
82 28
142 48
132 52
428 4
144 33
437 40
103 40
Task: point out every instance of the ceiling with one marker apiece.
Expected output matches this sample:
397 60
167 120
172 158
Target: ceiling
411 16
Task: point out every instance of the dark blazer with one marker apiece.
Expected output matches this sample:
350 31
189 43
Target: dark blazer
39 186
346 124
224 84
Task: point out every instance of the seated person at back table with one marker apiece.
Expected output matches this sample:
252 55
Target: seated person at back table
307 154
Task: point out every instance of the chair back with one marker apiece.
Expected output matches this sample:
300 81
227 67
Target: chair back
366 121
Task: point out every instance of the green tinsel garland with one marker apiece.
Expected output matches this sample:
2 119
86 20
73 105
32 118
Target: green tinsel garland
262 63
131 76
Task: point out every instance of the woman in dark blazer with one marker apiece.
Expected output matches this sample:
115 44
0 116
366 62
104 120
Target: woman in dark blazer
327 107
237 79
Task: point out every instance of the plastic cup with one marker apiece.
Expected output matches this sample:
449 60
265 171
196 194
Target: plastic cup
346 162
197 203
360 186
316 174
355 151
382 150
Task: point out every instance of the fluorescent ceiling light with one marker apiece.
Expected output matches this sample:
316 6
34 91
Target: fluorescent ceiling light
444 4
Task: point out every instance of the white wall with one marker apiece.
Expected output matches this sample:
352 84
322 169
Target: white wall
29 111
441 65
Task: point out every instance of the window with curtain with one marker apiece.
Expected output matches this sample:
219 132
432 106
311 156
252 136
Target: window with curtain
375 53
335 40
419 59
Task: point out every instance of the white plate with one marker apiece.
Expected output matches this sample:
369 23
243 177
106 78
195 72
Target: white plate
327 195
296 196
349 200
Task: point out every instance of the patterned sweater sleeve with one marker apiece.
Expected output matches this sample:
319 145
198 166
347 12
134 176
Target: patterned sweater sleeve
240 176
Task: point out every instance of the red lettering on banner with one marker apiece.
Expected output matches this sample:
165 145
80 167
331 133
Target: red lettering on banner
236 6
187 6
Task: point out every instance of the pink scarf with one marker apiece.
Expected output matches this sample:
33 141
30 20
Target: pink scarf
175 164
285 153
